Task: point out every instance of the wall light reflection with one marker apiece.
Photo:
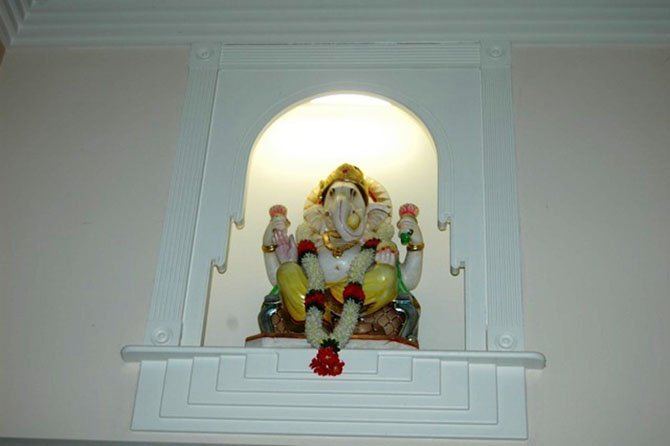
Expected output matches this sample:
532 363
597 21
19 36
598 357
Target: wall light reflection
311 139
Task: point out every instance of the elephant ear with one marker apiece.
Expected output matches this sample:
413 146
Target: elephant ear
378 213
313 212
380 207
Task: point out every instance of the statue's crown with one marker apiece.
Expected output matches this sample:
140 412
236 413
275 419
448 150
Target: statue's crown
348 173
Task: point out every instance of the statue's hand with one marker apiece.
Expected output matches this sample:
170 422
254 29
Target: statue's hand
287 251
277 224
410 235
385 256
409 225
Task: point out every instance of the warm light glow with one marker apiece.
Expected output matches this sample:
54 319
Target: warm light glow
349 99
311 139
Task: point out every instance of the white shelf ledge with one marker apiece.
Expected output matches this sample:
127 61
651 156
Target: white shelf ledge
528 360
381 393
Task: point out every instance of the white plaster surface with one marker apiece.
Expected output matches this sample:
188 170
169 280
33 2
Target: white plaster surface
87 139
594 184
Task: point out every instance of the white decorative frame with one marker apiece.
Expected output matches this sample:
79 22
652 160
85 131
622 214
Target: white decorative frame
462 93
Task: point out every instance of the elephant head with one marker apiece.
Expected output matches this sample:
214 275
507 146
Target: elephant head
348 204
345 208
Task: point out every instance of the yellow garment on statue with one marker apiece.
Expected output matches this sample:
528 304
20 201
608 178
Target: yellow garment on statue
380 286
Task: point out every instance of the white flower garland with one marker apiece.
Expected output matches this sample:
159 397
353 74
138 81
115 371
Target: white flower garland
344 329
315 277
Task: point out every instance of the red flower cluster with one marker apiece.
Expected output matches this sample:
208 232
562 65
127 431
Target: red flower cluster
316 298
277 211
327 362
371 243
408 209
354 291
305 247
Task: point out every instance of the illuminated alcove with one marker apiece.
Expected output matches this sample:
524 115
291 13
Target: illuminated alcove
302 146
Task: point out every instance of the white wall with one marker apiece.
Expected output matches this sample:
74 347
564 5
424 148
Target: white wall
593 144
87 139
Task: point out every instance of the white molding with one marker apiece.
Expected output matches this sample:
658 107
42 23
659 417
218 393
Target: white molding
351 56
382 393
164 323
503 257
139 22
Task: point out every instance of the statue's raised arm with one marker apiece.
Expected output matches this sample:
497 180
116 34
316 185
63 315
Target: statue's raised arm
411 237
278 247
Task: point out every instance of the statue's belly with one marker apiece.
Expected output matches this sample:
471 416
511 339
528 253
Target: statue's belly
336 269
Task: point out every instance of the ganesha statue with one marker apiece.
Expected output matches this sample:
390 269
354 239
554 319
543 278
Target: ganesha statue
340 275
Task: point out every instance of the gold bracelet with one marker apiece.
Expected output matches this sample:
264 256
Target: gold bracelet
268 248
417 247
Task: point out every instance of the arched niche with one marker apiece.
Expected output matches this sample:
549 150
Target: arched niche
300 146
248 98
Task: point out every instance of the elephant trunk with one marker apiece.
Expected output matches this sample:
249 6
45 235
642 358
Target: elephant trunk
346 218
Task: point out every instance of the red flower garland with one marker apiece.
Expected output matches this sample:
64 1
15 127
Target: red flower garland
316 298
305 247
371 243
355 292
327 361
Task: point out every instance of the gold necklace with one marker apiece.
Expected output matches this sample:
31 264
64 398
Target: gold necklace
337 251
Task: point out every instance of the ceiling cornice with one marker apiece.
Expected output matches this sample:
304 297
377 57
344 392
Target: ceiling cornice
169 22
